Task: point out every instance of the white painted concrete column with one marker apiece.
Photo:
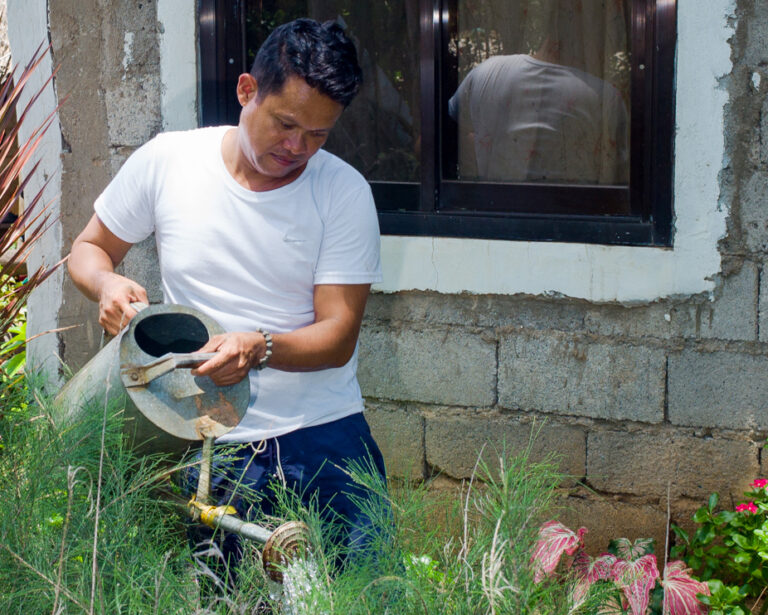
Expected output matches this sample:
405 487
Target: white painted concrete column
178 63
27 28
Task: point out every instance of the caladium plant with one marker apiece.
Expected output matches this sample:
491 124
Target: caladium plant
636 579
554 540
630 567
679 587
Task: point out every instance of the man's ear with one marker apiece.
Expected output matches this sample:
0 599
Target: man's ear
246 88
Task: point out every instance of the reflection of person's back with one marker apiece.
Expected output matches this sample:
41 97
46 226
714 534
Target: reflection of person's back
532 120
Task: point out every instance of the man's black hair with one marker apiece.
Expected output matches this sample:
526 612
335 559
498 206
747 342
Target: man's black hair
321 54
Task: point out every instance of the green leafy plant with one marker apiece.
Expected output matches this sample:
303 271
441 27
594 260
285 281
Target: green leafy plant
731 545
13 347
474 560
724 599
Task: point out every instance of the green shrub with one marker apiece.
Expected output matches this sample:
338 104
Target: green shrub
93 529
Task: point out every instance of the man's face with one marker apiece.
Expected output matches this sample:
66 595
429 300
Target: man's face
278 134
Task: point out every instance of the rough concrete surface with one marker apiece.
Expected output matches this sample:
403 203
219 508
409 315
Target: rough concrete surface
753 219
576 376
399 432
609 518
429 365
732 315
454 443
718 389
643 464
140 264
109 70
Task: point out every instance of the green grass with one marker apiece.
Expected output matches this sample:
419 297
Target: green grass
91 529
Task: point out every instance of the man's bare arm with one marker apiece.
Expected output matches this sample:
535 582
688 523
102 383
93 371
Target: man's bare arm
328 342
95 254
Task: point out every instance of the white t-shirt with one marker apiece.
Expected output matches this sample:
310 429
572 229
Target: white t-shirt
534 120
251 259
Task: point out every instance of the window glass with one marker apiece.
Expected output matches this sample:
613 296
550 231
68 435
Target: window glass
379 134
537 91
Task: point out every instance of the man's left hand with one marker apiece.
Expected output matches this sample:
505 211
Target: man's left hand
236 354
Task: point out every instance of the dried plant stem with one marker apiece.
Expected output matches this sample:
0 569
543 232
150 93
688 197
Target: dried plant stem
60 572
94 555
464 551
94 563
26 564
669 517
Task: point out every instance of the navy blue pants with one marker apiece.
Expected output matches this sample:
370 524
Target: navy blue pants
311 462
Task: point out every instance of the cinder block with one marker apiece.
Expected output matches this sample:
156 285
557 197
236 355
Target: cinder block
762 306
764 128
562 375
643 463
608 519
754 221
453 443
658 320
434 366
718 389
476 310
733 313
399 432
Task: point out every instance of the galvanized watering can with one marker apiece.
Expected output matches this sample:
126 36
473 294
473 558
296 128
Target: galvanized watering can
146 367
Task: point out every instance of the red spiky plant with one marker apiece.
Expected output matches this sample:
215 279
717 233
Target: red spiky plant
34 216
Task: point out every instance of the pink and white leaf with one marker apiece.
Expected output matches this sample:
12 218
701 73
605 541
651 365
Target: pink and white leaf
554 540
626 549
594 569
588 571
680 591
636 579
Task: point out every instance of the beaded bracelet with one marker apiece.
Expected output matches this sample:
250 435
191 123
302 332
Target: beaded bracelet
268 354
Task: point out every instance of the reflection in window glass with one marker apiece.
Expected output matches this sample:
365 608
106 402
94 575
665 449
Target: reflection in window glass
542 91
379 133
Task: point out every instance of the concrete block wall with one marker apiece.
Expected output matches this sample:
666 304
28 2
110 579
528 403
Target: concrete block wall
650 406
635 400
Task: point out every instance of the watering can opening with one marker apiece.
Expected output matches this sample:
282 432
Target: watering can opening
159 334
147 367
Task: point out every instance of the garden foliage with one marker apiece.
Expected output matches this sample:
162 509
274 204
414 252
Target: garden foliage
93 533
730 548
625 579
33 215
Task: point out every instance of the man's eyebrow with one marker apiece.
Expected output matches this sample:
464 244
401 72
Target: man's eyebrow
287 118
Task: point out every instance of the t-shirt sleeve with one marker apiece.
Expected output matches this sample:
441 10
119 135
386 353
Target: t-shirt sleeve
126 205
350 250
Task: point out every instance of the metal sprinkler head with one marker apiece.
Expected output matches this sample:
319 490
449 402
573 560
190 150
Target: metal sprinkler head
288 542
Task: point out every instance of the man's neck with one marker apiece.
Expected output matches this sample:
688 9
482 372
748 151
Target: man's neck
244 174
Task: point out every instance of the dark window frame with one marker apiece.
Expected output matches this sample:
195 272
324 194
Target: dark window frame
433 207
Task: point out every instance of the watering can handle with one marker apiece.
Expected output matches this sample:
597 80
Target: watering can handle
139 305
140 375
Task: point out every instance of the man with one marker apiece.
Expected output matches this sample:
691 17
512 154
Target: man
278 241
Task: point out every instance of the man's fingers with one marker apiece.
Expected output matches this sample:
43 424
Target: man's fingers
141 295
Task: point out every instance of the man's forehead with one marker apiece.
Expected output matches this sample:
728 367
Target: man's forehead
302 104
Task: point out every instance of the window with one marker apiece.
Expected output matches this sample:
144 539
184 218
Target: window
545 120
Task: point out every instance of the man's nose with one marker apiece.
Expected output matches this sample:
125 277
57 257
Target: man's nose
295 143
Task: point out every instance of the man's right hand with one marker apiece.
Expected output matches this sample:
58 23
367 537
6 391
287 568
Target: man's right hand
95 254
115 297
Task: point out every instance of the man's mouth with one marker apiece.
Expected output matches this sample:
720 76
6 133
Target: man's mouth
284 160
